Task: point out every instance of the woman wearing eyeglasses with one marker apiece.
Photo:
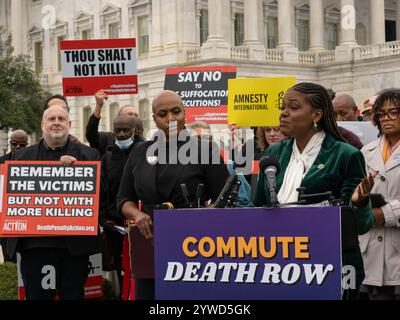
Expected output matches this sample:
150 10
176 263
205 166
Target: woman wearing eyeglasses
380 247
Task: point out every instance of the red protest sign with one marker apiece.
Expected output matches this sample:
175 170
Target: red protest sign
203 90
91 65
45 198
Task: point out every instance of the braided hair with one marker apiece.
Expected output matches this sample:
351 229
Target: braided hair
317 96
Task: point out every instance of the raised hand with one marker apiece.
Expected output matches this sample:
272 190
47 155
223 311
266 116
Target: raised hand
363 189
100 96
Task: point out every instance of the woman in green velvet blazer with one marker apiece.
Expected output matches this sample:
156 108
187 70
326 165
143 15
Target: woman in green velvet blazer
339 167
329 164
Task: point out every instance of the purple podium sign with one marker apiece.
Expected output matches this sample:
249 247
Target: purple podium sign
248 254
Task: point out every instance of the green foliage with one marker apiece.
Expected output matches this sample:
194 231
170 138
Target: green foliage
8 281
21 95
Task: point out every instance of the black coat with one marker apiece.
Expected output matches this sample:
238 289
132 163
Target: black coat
98 140
76 245
159 183
112 167
6 157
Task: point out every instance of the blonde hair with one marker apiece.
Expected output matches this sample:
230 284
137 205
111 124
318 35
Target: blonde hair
261 138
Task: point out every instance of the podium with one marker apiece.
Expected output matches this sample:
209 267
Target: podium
252 253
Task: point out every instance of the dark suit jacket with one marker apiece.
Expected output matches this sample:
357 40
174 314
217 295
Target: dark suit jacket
76 245
156 184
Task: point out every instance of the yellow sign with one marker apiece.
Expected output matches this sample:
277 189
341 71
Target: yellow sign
257 101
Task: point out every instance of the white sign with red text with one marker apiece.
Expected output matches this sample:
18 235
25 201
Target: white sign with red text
91 65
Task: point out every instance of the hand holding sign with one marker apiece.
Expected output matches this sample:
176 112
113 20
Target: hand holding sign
100 97
67 160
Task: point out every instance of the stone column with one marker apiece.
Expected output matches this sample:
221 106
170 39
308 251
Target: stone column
97 33
47 61
169 9
156 29
215 31
398 20
317 28
16 26
348 23
344 51
71 30
188 22
377 21
216 45
285 23
252 15
285 32
124 20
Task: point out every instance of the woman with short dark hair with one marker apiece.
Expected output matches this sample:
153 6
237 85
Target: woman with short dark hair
380 247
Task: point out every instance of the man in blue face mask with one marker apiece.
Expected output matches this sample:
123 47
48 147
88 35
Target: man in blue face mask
124 130
112 164
101 140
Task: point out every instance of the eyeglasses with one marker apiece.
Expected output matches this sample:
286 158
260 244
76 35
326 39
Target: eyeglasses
22 145
392 114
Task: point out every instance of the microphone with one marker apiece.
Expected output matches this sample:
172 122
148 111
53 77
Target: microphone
270 166
199 194
186 195
228 184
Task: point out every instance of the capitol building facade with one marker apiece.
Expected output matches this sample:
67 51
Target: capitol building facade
350 46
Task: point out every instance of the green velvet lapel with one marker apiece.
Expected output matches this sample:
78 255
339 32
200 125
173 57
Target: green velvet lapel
324 154
322 157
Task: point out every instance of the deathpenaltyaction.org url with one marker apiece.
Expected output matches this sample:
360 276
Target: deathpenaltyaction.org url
64 228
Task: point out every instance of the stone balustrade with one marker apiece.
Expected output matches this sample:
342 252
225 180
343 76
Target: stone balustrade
274 55
239 53
307 58
310 58
326 57
193 54
377 50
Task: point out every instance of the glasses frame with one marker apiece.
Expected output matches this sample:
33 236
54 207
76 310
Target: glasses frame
14 144
382 115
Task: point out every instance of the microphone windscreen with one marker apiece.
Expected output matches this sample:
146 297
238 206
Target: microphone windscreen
269 160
